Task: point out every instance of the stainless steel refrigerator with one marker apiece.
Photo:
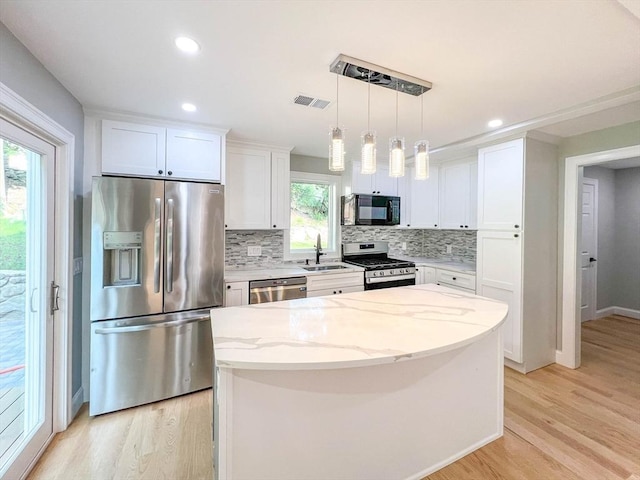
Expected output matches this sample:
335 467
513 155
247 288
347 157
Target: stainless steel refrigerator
157 268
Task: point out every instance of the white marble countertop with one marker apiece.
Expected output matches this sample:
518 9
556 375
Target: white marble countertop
353 329
453 265
283 271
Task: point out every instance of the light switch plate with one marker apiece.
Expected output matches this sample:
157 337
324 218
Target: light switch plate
404 245
448 248
254 251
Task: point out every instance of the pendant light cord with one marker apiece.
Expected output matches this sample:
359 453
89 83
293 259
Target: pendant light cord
369 103
421 116
337 101
397 85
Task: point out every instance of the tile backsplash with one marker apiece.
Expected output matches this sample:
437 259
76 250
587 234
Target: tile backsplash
395 237
420 243
237 241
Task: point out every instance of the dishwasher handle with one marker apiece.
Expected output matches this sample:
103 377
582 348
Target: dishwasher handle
276 293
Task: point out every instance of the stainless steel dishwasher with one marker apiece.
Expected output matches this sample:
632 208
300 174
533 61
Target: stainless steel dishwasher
263 291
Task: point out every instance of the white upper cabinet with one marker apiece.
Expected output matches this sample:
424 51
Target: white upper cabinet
155 151
257 188
194 155
379 183
500 186
458 195
419 200
132 149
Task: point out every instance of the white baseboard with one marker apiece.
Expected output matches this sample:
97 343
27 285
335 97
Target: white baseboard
627 312
76 403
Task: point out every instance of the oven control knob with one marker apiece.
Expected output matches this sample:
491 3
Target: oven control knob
390 272
375 274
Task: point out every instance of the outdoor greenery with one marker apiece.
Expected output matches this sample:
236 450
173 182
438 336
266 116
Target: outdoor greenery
13 239
309 214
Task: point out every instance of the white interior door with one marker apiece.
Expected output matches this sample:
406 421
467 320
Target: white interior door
588 247
26 277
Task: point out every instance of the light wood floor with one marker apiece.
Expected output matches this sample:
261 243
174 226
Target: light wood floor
560 424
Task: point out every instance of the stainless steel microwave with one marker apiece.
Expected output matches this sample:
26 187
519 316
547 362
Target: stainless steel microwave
359 209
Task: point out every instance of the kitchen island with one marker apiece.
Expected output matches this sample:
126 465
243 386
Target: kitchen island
384 384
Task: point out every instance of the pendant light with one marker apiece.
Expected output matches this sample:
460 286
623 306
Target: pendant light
336 147
421 150
368 139
396 149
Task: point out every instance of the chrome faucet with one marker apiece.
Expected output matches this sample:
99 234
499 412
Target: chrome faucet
318 250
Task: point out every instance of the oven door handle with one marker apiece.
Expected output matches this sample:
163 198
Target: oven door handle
408 276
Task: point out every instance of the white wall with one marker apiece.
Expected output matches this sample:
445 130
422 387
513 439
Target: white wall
25 75
627 239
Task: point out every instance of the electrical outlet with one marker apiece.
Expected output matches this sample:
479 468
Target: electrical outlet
77 265
254 251
448 248
404 245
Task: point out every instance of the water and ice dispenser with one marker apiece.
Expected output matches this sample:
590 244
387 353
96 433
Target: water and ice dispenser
122 253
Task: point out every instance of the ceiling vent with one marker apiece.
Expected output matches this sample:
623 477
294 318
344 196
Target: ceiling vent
307 101
381 76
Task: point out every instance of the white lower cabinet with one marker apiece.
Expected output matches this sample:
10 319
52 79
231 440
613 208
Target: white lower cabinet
236 294
460 281
499 270
425 274
334 283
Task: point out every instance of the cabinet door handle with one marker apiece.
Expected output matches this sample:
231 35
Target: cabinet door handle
436 225
159 172
228 287
339 291
516 235
274 226
454 278
169 172
517 226
334 292
461 226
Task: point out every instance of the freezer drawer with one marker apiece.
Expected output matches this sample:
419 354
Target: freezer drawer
146 359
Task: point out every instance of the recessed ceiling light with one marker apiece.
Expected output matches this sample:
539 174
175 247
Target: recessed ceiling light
189 107
187 45
495 123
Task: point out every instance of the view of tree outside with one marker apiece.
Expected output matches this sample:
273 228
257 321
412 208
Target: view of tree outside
13 187
309 215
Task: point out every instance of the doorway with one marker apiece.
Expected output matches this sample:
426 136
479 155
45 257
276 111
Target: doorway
27 206
569 354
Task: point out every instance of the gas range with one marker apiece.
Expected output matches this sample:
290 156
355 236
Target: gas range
380 271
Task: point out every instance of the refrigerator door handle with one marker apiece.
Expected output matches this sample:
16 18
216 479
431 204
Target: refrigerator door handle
141 328
156 247
169 259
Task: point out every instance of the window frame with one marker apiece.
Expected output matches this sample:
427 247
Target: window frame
334 182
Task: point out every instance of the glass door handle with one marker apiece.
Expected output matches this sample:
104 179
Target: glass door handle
33 308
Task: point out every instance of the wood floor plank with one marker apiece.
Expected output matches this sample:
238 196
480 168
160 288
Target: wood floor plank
560 424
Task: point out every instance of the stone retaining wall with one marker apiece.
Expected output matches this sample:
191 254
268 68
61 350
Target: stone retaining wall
12 294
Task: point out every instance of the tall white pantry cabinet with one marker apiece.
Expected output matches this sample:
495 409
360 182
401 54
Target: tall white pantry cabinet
517 245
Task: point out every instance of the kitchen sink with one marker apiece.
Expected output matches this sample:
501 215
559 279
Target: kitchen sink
318 268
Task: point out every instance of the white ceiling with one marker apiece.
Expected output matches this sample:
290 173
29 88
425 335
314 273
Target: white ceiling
515 60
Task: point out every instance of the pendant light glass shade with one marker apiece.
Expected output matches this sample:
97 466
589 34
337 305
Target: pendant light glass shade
368 139
368 164
421 151
336 147
336 150
396 149
396 157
